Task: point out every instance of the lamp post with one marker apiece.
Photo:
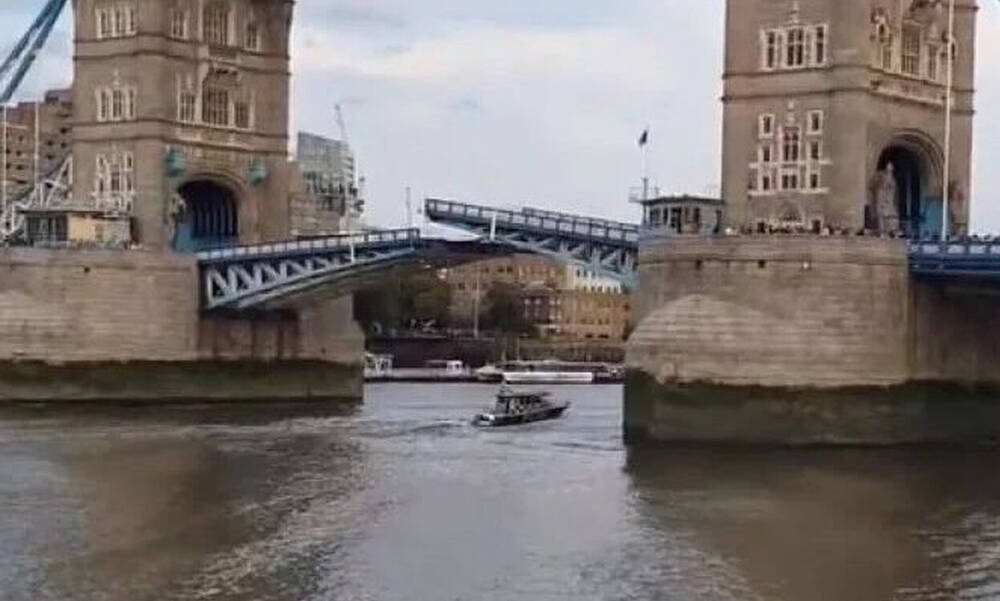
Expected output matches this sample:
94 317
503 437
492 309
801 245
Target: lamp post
946 200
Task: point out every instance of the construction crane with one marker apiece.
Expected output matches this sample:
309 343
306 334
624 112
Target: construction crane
56 186
341 124
26 50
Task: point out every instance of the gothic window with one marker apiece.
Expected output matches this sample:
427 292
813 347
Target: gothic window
814 180
215 106
116 20
251 38
103 104
815 122
765 126
795 47
766 182
215 24
819 45
116 103
815 150
790 145
179 24
911 50
186 106
790 179
885 54
104 25
933 56
241 113
115 174
772 49
765 154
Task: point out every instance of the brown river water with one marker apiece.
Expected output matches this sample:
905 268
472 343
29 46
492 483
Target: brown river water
401 500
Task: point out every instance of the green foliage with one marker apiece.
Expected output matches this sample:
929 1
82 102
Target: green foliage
505 310
404 303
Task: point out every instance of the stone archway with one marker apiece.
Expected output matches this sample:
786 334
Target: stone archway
207 216
906 189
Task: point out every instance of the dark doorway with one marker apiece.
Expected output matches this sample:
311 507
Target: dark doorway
907 170
210 217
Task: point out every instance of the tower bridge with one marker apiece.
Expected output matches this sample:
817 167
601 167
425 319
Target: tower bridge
834 120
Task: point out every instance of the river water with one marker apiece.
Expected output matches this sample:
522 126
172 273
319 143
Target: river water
401 500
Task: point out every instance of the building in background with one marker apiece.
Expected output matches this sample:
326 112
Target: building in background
333 200
55 139
180 112
559 300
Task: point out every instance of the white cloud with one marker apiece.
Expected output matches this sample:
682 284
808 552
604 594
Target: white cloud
528 102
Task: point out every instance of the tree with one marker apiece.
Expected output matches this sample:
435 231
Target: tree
505 309
398 303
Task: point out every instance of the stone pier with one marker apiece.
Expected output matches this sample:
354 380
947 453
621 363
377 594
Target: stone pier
807 340
127 326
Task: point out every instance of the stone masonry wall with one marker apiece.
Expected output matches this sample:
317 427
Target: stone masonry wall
108 325
774 311
61 306
955 332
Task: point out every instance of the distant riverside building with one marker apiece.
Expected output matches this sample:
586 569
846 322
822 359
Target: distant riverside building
834 114
181 117
558 299
55 113
332 199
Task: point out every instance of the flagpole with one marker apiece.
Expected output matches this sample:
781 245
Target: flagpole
643 144
3 153
946 197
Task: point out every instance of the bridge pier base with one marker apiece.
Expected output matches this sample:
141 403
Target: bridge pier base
807 340
127 326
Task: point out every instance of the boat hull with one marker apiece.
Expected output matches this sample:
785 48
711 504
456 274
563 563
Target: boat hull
499 421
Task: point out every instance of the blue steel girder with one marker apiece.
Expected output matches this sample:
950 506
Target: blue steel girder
16 65
249 276
608 247
969 259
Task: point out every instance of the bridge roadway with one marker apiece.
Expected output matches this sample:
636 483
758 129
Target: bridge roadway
246 277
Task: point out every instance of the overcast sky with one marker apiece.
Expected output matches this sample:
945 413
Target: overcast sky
528 102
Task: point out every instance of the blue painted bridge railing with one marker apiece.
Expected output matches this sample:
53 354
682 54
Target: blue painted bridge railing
243 277
608 247
959 259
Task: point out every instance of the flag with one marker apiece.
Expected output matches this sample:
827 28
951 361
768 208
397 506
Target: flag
644 138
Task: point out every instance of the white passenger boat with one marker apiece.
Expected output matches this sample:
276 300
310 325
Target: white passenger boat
548 371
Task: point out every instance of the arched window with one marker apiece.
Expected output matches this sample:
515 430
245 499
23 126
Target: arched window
215 106
251 34
215 23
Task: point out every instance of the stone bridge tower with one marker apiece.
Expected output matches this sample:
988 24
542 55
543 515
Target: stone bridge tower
834 113
184 99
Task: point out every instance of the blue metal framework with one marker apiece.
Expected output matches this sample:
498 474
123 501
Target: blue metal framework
608 247
243 277
966 259
16 65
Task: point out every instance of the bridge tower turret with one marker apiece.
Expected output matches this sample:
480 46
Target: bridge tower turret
834 114
181 117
